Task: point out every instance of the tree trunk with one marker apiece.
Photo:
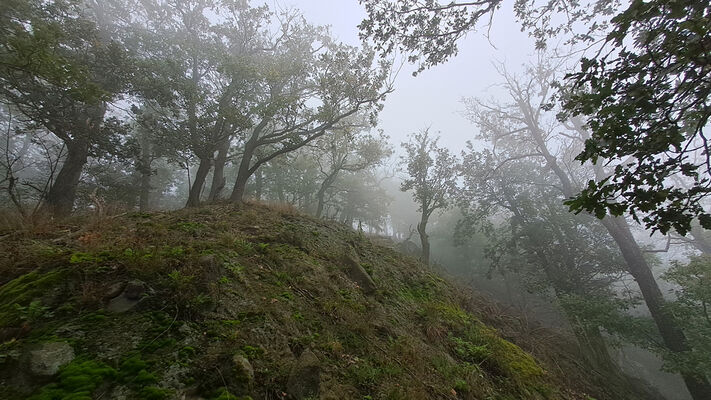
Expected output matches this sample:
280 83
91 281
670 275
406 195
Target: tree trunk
673 337
144 195
593 347
60 198
243 173
258 185
218 176
321 194
144 168
424 239
700 241
319 201
196 188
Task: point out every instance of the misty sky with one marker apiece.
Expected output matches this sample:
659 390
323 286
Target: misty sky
433 97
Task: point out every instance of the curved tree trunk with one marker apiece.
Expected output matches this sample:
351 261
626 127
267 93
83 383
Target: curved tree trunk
321 194
61 196
243 173
218 176
197 186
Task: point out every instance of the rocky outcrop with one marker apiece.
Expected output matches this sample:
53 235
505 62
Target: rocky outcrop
131 295
46 359
357 273
305 377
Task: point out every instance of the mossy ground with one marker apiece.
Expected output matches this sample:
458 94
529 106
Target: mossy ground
249 280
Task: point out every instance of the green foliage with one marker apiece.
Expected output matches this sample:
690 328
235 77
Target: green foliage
368 374
426 33
77 381
691 308
640 113
33 312
17 295
224 394
253 352
191 227
468 351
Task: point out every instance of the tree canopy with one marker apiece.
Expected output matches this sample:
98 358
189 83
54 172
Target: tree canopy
644 92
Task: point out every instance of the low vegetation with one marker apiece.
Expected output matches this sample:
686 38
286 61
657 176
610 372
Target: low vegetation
229 299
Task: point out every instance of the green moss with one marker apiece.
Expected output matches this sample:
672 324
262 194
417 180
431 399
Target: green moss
144 378
510 359
224 394
368 373
77 381
453 314
252 352
468 351
23 290
131 367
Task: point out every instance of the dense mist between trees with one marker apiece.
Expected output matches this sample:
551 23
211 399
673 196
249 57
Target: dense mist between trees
578 201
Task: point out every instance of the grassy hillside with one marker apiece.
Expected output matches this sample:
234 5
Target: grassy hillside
224 302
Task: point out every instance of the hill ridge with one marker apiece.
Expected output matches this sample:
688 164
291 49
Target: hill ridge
251 301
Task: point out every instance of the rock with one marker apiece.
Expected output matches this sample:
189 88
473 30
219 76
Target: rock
358 274
115 290
244 373
207 260
210 267
7 334
332 390
134 290
47 358
132 294
305 377
409 248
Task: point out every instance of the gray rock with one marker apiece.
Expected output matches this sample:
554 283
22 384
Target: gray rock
47 358
132 294
207 260
357 274
121 304
305 377
134 290
244 373
409 248
115 290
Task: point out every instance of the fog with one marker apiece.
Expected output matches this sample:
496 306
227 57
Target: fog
468 164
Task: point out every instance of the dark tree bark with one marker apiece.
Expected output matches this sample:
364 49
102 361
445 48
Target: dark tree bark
144 168
244 171
61 196
197 186
218 176
321 194
424 238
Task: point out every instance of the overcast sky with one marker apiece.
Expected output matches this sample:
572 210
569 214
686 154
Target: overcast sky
433 97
